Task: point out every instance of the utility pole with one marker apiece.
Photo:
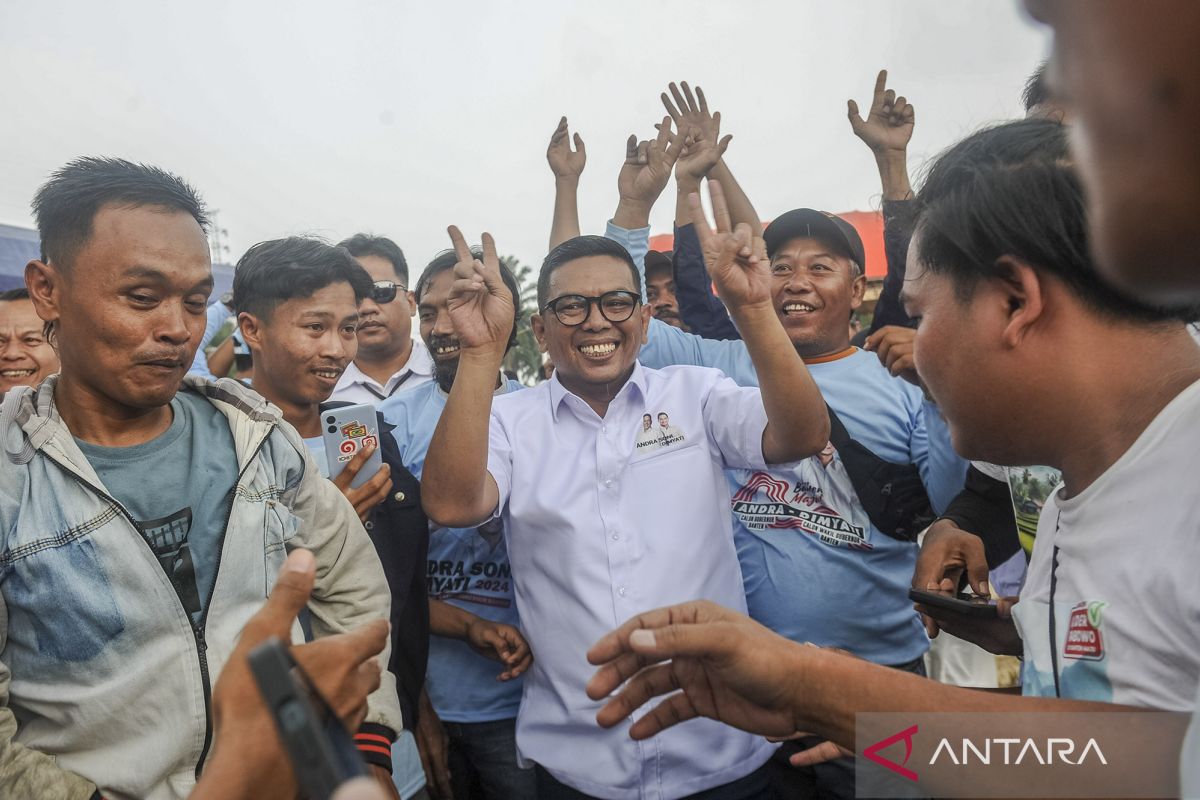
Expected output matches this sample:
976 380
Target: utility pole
217 235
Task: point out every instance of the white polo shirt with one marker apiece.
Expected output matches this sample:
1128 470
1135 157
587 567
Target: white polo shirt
355 386
600 529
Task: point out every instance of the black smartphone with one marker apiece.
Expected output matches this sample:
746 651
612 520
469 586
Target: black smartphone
321 750
970 604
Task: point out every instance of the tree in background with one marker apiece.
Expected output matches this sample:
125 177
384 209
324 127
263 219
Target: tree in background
525 359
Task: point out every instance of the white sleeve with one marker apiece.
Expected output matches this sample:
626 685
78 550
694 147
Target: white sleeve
499 463
734 419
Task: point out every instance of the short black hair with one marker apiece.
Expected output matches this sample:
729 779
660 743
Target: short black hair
364 244
582 247
446 260
66 204
273 272
20 293
1036 91
1012 190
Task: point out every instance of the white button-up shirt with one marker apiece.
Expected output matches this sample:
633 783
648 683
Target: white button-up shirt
356 386
605 520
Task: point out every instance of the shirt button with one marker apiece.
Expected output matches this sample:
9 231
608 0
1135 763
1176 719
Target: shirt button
608 482
621 591
399 497
369 525
616 536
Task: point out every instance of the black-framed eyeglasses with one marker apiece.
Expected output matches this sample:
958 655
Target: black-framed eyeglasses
385 291
573 309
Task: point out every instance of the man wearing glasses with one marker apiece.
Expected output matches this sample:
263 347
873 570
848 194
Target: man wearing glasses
389 360
591 536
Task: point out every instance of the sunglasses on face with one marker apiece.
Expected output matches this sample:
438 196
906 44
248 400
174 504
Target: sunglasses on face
385 291
573 309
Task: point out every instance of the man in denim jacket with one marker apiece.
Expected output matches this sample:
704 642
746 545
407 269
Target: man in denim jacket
143 522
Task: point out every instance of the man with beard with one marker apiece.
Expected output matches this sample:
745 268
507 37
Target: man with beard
143 521
389 360
467 725
26 357
660 290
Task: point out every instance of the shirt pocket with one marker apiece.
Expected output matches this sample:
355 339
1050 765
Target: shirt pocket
659 456
279 527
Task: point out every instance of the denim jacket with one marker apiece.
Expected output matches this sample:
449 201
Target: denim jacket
105 683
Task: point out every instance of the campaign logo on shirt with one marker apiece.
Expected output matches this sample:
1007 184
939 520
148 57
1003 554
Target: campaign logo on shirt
656 435
479 574
1084 640
821 502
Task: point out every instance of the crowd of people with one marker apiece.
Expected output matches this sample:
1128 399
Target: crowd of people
722 492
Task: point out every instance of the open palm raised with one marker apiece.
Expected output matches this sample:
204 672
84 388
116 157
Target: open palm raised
480 305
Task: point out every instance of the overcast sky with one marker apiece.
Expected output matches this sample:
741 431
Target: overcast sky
401 117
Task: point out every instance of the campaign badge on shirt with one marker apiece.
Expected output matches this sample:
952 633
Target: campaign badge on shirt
1084 640
658 435
814 496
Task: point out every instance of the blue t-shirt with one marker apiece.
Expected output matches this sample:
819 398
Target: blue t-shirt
468 568
815 568
177 488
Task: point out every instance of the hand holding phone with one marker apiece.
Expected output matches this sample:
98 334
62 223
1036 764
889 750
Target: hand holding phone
321 750
970 604
975 619
346 431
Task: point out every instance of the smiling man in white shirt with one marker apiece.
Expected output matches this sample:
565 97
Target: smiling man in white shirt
596 527
389 360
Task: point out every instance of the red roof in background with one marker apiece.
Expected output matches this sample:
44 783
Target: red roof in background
869 225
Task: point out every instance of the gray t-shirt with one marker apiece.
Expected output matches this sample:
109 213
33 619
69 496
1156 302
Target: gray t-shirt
177 487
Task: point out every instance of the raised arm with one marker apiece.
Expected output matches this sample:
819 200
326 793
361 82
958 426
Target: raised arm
701 131
797 420
644 175
567 166
456 489
887 131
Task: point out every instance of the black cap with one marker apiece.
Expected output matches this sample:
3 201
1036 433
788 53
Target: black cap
810 223
656 261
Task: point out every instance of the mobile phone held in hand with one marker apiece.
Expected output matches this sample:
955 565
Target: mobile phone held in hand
969 604
321 750
346 430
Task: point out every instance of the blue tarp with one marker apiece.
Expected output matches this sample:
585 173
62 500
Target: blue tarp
18 246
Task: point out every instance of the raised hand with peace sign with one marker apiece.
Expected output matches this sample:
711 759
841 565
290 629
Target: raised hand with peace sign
736 257
480 305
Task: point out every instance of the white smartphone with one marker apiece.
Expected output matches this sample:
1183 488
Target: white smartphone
346 430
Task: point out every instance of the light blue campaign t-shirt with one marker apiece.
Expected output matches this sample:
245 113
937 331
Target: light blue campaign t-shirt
815 568
467 568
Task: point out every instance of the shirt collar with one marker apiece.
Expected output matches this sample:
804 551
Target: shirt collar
420 362
559 393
